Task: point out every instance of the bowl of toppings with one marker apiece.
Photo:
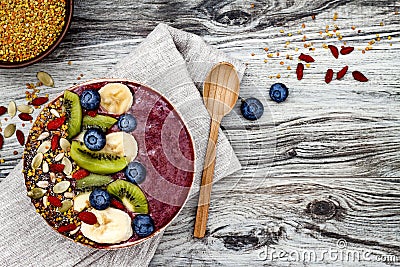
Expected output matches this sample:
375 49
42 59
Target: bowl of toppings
31 30
109 163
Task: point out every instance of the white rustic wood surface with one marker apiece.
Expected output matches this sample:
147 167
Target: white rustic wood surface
318 169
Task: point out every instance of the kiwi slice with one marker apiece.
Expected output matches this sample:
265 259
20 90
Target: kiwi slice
130 195
93 180
73 109
96 162
102 121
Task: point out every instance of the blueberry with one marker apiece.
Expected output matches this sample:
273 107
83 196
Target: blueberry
278 92
135 172
90 99
252 109
143 225
94 139
127 123
99 199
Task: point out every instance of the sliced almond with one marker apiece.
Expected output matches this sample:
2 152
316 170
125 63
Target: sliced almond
45 78
59 157
45 166
9 130
25 109
65 144
43 136
69 194
68 166
44 147
75 231
12 109
61 187
45 198
37 161
52 177
55 113
42 184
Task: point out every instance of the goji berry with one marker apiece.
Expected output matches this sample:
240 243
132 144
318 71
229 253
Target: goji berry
25 117
39 101
20 137
328 75
55 124
57 167
54 142
79 174
346 50
306 58
359 76
341 73
1 141
54 201
334 50
92 113
66 228
299 71
87 217
2 110
116 204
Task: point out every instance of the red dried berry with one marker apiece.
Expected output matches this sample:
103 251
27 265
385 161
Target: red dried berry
80 174
116 204
54 201
54 142
306 58
39 101
87 217
25 117
57 167
20 137
1 141
359 76
334 50
346 50
92 113
300 71
329 76
55 124
66 228
341 73
2 110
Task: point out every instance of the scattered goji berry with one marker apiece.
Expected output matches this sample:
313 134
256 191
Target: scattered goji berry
2 110
25 117
1 141
92 113
66 228
54 201
54 142
299 71
359 76
20 137
334 50
55 124
87 217
39 101
116 204
79 174
57 167
346 50
306 58
329 76
341 73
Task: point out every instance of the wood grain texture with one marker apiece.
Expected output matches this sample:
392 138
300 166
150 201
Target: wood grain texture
287 195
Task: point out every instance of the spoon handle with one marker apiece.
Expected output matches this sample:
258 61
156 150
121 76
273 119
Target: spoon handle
206 181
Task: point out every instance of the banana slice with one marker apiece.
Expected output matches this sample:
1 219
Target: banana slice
113 226
81 201
121 144
116 98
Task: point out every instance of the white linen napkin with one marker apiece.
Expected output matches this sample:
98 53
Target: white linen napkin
170 61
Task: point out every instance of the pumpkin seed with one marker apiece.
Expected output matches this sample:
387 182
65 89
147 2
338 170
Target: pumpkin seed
45 166
43 136
42 184
45 78
9 130
65 144
45 198
55 113
59 157
25 109
12 109
61 187
67 166
36 193
37 161
69 194
66 205
44 147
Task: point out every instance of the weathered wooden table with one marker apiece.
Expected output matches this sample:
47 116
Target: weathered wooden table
319 184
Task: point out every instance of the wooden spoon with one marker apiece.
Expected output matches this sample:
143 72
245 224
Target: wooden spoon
220 94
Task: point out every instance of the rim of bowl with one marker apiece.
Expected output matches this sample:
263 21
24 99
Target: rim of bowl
69 6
